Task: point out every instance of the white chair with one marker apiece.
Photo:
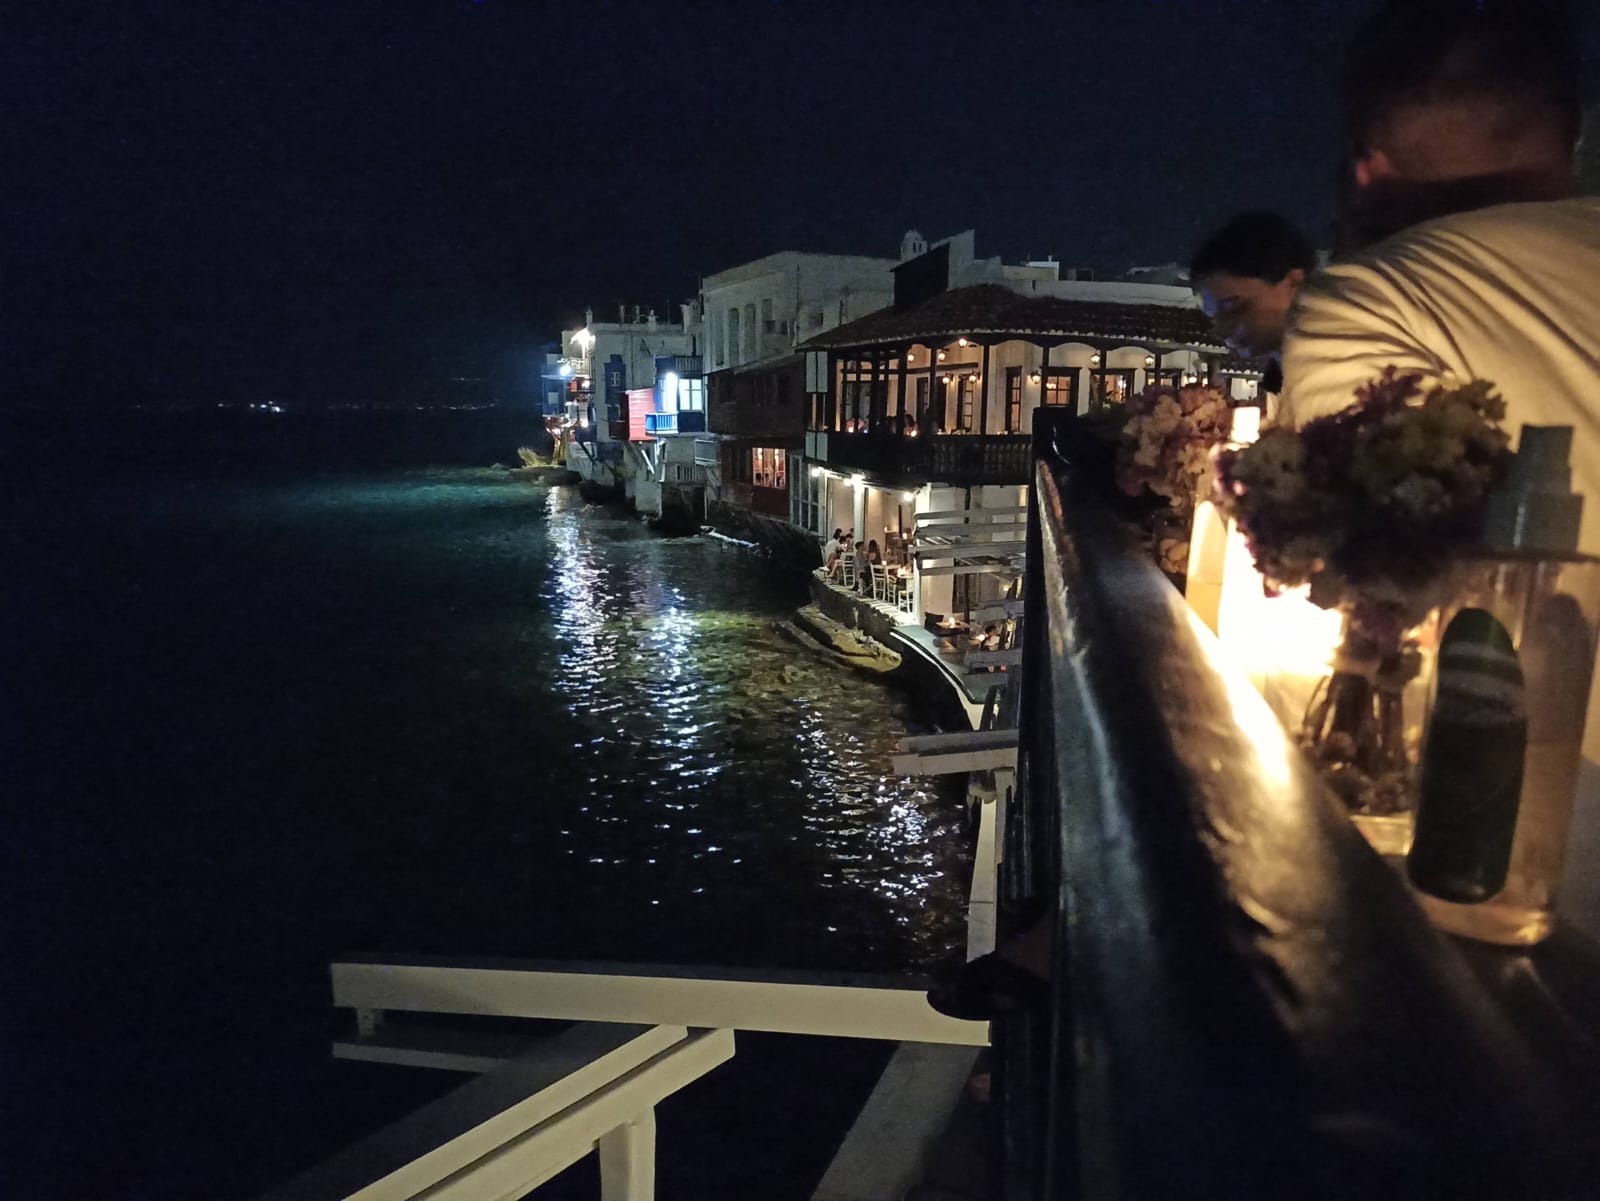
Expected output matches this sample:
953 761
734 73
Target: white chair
905 594
847 570
880 582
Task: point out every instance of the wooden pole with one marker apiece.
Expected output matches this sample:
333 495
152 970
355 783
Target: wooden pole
900 384
1044 373
983 396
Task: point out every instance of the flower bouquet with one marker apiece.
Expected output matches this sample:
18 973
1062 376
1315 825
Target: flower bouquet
1166 448
1371 507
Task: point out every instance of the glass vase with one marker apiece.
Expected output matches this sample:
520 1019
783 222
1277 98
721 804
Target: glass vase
1364 724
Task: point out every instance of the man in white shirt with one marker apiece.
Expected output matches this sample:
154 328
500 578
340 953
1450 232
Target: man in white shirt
1483 262
1480 261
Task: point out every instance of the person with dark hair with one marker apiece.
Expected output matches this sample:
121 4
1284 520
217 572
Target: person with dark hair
1482 261
1247 274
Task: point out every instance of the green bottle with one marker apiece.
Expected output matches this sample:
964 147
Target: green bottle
1472 761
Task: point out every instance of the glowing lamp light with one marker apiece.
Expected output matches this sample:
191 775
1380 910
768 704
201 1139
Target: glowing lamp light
583 423
1246 427
1095 358
1035 376
945 378
565 370
908 497
816 472
1149 360
941 356
962 342
584 338
858 481
911 356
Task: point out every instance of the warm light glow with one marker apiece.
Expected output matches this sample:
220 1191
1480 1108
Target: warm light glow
1246 426
1275 635
1035 376
1095 358
858 480
945 378
583 423
1149 360
962 342
1251 714
941 356
908 496
584 339
815 472
911 356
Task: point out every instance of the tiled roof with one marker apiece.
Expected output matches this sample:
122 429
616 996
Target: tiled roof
1234 365
983 310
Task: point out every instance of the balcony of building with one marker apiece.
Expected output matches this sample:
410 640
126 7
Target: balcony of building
899 459
947 390
764 400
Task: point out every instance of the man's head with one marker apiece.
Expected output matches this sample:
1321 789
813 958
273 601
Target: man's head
1247 274
1439 91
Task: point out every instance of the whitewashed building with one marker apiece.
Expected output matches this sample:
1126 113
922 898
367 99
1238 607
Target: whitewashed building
603 361
927 406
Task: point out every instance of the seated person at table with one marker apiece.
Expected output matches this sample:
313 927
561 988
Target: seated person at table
831 567
874 555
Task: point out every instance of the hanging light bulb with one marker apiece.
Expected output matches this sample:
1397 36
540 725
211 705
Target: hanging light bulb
1035 376
941 356
1149 360
911 357
1095 358
962 342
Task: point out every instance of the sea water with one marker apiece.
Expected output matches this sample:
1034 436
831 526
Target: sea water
257 721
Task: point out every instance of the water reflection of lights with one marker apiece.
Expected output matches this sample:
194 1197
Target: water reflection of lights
717 760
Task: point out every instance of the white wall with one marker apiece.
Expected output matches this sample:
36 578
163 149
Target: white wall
804 293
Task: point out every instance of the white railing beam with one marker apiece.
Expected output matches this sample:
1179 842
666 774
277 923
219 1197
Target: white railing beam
833 1005
628 1160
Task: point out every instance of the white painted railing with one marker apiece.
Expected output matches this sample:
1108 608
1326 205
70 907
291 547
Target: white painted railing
591 1089
833 1005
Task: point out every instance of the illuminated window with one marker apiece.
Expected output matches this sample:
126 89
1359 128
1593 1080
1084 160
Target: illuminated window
1108 387
1061 388
768 468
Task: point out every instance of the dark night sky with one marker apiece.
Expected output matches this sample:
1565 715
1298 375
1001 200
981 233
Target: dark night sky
320 201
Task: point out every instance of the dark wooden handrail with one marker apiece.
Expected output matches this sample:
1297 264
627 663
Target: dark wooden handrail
1247 1002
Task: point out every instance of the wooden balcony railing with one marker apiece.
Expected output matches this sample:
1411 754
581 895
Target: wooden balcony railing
960 459
1246 1001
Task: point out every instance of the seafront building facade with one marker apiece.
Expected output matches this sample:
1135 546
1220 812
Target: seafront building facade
926 407
800 393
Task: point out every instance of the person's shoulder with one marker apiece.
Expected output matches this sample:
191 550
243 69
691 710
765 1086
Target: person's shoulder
1501 229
